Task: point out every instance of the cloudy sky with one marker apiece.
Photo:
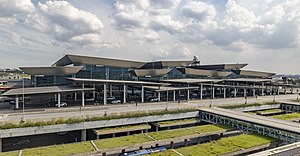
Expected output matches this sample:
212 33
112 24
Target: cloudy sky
263 33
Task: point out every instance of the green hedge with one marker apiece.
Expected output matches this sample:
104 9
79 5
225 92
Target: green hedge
96 118
247 105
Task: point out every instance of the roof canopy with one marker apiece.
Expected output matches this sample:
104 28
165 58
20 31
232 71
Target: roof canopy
61 70
44 90
102 81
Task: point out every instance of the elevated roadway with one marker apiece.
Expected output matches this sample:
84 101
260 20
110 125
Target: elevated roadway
283 130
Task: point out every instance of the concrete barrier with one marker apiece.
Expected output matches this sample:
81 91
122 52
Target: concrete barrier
16 132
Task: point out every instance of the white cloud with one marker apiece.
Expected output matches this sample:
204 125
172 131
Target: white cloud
67 23
9 9
199 10
166 23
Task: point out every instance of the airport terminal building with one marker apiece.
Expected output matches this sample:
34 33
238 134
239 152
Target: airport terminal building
82 80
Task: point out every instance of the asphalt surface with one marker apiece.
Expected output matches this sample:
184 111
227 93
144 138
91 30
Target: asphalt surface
55 113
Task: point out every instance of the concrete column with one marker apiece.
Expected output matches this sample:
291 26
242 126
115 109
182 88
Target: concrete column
58 100
262 90
82 96
224 89
201 91
292 90
124 93
55 97
284 89
278 90
110 91
158 95
253 92
94 92
188 94
75 96
174 95
17 102
235 92
213 92
104 94
167 96
142 93
245 92
0 144
83 135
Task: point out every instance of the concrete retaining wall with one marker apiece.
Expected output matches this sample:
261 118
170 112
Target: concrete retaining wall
16 132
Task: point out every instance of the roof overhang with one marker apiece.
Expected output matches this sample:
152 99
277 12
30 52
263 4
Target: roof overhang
103 81
254 73
151 72
77 59
44 90
59 70
220 66
200 72
191 81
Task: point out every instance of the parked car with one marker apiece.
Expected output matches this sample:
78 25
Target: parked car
62 104
154 100
111 98
14 102
116 101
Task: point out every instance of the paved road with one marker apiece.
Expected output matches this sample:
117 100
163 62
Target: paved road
54 113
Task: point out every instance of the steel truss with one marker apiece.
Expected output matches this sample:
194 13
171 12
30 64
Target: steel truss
290 108
249 127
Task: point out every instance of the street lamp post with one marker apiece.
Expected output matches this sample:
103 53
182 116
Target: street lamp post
23 98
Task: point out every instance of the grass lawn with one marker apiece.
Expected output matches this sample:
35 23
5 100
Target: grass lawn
164 153
222 146
13 153
270 111
59 150
122 141
247 105
177 121
287 116
122 128
185 131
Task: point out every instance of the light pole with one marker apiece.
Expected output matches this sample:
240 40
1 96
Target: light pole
23 98
211 94
297 95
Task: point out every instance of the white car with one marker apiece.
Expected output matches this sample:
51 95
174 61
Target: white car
62 104
115 101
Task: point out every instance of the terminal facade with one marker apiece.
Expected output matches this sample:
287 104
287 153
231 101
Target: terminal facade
84 80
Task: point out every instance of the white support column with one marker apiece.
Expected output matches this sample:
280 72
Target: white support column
201 91
284 89
245 92
278 91
224 89
55 97
167 96
235 92
124 93
94 92
82 96
174 95
58 99
158 95
110 91
213 92
17 102
262 90
75 96
253 92
0 144
83 135
188 94
142 94
104 94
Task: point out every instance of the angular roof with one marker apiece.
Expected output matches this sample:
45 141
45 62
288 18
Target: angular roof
254 73
165 64
200 72
220 66
102 81
73 59
151 72
59 70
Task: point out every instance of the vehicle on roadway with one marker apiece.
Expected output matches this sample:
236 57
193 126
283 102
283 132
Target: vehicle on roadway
144 151
116 101
154 100
62 104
